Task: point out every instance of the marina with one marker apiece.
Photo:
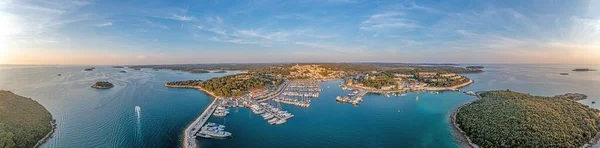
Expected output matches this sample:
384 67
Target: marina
190 133
353 98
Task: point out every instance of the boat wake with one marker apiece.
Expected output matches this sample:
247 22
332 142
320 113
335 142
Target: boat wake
138 111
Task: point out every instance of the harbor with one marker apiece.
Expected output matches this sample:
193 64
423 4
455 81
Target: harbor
353 98
297 92
189 137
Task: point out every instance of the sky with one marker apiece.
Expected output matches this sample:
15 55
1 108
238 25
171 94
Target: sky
83 32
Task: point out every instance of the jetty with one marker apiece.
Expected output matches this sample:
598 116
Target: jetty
354 98
274 94
189 137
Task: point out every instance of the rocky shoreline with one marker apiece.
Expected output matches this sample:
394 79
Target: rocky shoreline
192 87
456 87
459 133
43 140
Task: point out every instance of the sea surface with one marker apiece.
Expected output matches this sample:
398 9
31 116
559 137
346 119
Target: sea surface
108 118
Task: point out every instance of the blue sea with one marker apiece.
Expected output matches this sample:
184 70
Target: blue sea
88 117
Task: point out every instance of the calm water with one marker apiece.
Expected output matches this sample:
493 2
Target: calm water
107 118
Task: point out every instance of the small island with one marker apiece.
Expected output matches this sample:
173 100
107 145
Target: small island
123 71
89 69
512 119
103 85
220 71
23 121
118 67
583 69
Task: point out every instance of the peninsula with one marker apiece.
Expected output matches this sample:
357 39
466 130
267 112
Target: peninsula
23 121
513 119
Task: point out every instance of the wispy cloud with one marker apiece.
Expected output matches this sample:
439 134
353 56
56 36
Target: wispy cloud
389 20
154 24
104 24
181 17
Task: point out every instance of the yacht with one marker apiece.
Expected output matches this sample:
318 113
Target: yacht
282 121
273 121
267 116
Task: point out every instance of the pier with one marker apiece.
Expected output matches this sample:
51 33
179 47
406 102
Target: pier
275 94
189 137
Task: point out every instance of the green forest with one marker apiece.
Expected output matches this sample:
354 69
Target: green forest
232 85
23 121
236 85
383 79
512 119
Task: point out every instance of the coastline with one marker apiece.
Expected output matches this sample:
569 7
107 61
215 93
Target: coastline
192 87
43 140
456 87
184 134
451 88
459 134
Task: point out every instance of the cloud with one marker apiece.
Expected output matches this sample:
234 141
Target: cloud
104 24
141 57
154 24
182 17
214 20
388 20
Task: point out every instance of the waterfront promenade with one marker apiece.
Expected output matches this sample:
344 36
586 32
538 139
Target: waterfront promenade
189 135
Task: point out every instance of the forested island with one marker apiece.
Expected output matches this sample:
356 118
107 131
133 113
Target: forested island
475 67
23 121
103 85
513 119
583 69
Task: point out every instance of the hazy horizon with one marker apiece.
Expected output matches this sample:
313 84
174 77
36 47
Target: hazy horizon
89 32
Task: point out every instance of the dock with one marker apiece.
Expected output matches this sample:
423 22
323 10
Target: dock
274 94
189 135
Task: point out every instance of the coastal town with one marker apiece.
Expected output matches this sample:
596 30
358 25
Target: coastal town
264 91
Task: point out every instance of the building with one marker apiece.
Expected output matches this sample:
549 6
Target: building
455 77
447 75
388 87
426 74
403 75
437 80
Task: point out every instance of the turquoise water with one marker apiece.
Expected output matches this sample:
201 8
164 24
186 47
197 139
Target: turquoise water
106 118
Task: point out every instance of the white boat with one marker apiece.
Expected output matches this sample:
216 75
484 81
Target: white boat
282 121
273 121
267 116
